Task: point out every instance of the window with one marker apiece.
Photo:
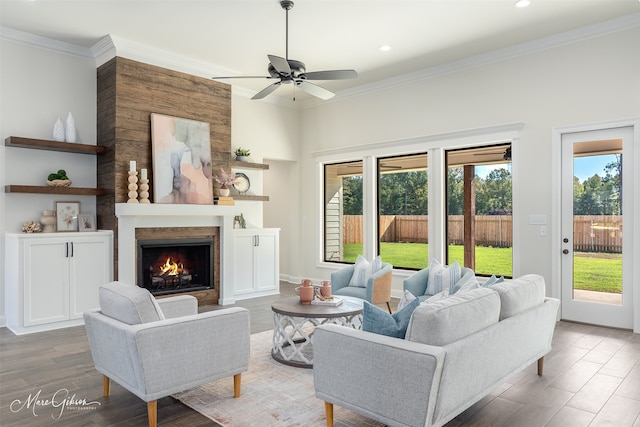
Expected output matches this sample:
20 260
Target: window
403 208
343 211
479 209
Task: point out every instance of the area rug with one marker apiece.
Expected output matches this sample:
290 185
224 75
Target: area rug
273 394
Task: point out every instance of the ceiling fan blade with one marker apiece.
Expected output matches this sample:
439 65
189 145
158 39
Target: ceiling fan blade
266 91
331 75
280 64
314 90
243 77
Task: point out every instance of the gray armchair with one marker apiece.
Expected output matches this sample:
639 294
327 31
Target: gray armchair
158 348
378 290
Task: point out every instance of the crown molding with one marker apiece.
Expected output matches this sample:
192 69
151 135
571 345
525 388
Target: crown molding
33 40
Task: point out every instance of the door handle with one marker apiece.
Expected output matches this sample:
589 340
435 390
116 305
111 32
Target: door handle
566 251
71 249
66 250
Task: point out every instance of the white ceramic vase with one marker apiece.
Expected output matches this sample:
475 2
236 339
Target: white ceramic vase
70 130
223 192
58 131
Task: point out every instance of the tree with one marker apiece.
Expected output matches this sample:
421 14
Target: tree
455 191
352 195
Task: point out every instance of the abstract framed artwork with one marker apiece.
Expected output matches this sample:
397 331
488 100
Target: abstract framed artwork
67 216
181 151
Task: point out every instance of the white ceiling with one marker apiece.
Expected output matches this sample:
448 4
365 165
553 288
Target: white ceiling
235 36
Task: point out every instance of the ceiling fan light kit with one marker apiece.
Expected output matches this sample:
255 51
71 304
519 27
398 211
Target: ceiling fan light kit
291 71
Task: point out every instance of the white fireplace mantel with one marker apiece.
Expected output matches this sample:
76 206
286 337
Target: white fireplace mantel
135 215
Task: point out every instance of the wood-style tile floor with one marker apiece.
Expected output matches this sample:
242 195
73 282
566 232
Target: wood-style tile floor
591 378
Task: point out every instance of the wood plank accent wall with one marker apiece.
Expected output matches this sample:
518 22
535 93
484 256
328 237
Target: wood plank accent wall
128 92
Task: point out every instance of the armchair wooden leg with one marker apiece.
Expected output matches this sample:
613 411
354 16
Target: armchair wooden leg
152 413
328 411
106 383
236 385
540 365
388 307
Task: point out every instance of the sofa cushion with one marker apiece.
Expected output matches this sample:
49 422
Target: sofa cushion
407 297
455 317
128 303
363 270
520 294
380 322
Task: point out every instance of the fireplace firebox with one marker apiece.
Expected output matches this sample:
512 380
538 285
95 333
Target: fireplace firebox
170 266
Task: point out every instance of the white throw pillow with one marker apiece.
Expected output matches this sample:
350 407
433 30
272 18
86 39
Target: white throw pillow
444 278
434 268
363 270
407 297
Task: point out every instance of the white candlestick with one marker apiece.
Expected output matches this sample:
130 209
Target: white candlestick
143 174
132 165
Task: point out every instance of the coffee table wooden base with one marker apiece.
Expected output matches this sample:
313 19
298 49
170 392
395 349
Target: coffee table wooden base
294 324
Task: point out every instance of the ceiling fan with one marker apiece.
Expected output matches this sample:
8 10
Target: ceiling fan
290 71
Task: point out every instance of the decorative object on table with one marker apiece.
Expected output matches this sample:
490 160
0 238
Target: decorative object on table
86 222
58 179
58 131
181 150
225 180
144 187
242 154
242 183
48 221
223 201
31 227
70 129
306 292
330 301
67 216
325 289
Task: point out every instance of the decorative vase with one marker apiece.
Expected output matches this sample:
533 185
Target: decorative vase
58 131
242 158
306 292
325 290
48 220
223 191
70 130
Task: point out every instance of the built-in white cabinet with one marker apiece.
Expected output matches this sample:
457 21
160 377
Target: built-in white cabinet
52 279
256 262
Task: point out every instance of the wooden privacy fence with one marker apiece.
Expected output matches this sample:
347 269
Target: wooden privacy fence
601 233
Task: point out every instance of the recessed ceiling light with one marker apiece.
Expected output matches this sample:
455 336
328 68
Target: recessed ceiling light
385 47
522 3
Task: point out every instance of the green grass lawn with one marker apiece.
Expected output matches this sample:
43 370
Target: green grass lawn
592 271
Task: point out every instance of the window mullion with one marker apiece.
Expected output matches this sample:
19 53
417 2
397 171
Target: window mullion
370 208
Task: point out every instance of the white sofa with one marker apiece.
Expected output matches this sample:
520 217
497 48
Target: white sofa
455 352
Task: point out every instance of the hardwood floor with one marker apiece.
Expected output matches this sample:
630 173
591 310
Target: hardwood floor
591 378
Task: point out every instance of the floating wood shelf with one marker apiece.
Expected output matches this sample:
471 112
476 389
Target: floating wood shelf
35 189
44 144
248 165
250 197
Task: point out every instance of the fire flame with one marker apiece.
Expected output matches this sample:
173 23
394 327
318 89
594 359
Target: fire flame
170 268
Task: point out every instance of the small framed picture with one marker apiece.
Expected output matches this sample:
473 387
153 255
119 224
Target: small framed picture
86 222
67 215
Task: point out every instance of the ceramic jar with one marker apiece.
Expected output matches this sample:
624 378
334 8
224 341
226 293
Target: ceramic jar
48 221
70 130
325 289
306 292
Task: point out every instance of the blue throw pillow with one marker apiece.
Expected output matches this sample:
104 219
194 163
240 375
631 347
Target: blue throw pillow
492 281
380 322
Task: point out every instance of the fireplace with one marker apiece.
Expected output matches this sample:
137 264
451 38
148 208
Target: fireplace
174 265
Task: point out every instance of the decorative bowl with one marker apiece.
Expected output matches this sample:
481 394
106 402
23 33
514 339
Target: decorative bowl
59 183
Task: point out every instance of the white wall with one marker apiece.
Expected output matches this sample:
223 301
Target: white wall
589 81
38 86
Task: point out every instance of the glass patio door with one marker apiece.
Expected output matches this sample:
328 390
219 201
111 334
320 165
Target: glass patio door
597 203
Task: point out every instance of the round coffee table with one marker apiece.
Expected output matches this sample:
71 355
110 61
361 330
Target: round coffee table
294 324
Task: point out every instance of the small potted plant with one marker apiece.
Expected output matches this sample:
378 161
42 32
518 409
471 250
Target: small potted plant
242 154
225 180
